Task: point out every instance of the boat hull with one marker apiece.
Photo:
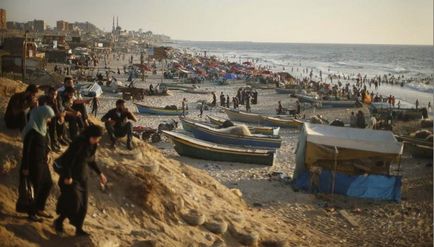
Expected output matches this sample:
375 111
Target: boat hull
271 131
158 111
286 90
206 133
185 146
337 104
419 151
306 99
263 120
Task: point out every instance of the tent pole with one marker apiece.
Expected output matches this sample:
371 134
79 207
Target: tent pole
399 164
334 171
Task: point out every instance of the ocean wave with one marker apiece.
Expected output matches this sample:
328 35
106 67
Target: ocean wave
421 87
348 65
400 70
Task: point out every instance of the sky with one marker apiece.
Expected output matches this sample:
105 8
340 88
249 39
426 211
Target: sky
292 21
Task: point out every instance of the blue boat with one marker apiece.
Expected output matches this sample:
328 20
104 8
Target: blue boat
223 136
144 109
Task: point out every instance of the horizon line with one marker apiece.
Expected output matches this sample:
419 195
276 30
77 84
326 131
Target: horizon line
304 43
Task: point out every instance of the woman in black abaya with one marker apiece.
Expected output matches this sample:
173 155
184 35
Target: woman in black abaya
72 203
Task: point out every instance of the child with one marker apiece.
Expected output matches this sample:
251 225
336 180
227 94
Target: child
95 103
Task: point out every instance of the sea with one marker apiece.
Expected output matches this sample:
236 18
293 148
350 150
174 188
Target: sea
413 63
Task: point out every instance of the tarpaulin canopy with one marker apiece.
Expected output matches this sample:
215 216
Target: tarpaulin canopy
371 186
372 151
353 138
230 76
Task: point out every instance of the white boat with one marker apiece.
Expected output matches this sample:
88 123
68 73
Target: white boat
90 90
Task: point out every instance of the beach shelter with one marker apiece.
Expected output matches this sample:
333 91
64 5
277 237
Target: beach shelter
355 162
230 76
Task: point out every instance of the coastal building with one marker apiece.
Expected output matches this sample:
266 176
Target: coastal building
14 46
13 25
54 40
70 27
3 19
29 26
39 26
62 26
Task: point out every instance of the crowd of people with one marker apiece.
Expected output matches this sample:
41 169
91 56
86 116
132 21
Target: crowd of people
244 96
58 122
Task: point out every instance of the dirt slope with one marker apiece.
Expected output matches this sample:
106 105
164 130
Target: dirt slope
150 201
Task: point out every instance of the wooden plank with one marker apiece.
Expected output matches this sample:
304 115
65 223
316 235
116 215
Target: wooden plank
349 218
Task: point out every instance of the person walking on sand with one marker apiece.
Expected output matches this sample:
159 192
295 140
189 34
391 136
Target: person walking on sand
417 104
95 104
201 109
279 109
73 177
297 103
227 101
34 162
353 120
222 99
214 99
247 103
117 124
361 123
184 106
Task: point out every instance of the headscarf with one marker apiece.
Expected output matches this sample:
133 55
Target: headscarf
38 120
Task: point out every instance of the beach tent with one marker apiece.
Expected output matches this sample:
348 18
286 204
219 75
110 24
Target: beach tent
230 76
358 158
318 144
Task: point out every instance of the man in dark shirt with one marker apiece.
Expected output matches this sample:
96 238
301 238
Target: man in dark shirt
117 124
214 99
19 104
56 125
72 116
78 104
222 99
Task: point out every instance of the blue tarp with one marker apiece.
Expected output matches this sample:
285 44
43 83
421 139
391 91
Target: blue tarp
377 187
230 76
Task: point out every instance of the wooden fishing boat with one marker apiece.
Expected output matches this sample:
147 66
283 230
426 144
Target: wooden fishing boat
222 136
197 91
280 90
243 116
337 103
304 98
418 148
272 131
216 120
177 86
413 140
260 85
144 109
262 120
284 123
191 147
419 151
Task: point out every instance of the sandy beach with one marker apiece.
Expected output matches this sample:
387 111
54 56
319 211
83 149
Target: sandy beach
300 218
379 223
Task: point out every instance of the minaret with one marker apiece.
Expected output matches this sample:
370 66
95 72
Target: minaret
113 26
117 21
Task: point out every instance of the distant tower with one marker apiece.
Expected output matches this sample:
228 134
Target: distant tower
117 21
113 26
